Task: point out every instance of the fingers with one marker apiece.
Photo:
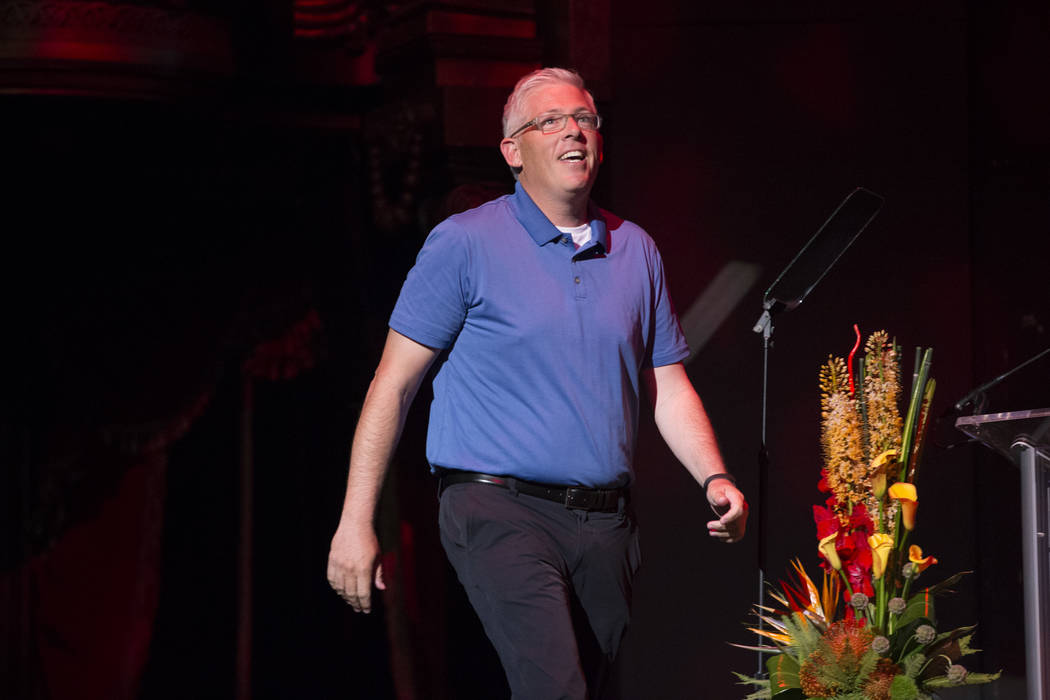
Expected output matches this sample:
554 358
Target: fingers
338 580
361 598
353 565
380 583
726 533
354 589
730 505
736 505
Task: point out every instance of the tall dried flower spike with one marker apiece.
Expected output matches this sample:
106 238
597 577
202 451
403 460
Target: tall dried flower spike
841 438
833 378
882 393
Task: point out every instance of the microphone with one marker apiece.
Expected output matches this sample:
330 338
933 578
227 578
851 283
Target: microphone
978 397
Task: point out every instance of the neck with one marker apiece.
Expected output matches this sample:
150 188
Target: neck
561 212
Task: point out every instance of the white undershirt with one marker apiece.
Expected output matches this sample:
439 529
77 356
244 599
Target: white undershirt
580 234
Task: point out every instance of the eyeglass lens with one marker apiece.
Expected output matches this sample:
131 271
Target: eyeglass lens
556 122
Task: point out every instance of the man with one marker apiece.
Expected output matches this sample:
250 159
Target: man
556 312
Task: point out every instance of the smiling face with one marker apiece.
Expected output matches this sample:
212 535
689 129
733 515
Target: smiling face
559 168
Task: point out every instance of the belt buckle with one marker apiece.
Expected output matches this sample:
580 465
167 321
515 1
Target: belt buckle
583 499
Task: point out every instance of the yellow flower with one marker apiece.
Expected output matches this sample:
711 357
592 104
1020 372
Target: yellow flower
827 548
880 544
878 484
909 500
878 471
915 556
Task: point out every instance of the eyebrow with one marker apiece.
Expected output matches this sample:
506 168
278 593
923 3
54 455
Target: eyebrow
581 110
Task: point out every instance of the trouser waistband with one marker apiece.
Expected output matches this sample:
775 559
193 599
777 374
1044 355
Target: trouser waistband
578 497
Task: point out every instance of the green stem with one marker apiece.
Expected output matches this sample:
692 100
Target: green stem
845 580
900 537
880 603
849 590
894 617
917 391
903 540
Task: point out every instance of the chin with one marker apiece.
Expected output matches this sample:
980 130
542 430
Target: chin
585 184
581 180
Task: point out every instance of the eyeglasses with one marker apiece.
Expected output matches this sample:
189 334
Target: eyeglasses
553 123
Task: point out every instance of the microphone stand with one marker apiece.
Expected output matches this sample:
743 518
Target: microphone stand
765 327
977 396
789 290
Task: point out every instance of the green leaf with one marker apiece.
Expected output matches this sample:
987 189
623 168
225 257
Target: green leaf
971 679
913 664
783 675
920 430
903 641
805 635
903 688
943 652
762 685
868 662
943 587
910 422
979 678
919 606
948 638
964 646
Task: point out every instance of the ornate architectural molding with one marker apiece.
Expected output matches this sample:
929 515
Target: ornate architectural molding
326 19
65 46
124 19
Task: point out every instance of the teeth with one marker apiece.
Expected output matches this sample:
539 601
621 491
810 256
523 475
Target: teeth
572 155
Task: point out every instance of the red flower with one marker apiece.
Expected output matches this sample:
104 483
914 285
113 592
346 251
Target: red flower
851 543
859 578
826 520
860 518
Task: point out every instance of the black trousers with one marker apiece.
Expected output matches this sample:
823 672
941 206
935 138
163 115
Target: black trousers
526 564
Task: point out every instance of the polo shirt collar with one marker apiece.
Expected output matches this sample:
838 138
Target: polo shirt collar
540 227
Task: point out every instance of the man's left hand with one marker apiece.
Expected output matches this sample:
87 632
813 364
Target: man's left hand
727 501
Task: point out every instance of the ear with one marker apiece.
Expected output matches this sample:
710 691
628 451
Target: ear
509 148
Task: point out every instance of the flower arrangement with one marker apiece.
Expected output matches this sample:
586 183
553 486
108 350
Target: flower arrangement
865 634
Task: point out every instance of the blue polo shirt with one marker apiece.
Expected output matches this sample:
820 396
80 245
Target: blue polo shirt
547 342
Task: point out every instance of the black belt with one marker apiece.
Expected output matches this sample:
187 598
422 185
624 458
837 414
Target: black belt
579 497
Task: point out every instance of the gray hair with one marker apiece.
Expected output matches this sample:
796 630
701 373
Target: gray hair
513 110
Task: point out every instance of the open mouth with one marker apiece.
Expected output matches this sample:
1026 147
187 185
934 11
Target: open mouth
572 156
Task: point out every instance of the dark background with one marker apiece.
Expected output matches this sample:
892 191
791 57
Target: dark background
208 212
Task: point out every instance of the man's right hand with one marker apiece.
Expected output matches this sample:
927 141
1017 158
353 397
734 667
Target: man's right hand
353 564
353 561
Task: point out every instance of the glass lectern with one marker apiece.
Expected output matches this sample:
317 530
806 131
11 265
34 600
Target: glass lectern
1024 437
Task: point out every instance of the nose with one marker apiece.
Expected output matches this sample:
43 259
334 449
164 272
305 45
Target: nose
572 127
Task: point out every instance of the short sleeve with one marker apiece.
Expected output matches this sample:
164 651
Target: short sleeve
669 344
434 297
